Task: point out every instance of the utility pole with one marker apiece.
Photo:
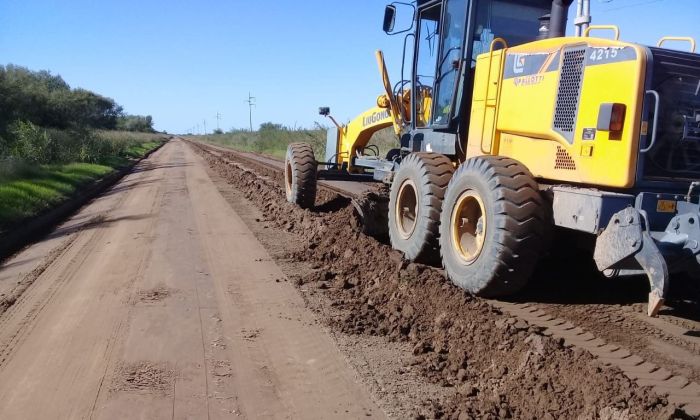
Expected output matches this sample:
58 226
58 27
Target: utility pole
205 127
251 104
218 118
583 16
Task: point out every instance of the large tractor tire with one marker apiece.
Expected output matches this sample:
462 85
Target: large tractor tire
300 175
415 202
493 226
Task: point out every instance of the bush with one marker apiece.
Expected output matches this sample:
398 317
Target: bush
140 123
32 144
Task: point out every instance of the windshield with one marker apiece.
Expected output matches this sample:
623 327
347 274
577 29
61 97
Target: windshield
516 22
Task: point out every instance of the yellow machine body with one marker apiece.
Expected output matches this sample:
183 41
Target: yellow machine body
357 133
518 109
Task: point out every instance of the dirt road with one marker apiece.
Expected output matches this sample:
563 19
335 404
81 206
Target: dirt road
192 289
157 301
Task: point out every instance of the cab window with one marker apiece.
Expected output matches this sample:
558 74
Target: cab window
517 23
426 62
452 39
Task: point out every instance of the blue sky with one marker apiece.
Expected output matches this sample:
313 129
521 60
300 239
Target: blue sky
185 61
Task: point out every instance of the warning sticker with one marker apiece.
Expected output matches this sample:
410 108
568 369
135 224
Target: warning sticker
666 206
589 133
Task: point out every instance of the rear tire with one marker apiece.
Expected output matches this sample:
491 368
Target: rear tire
415 202
493 226
300 175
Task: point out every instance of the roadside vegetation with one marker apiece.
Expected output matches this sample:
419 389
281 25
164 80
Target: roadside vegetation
272 139
55 140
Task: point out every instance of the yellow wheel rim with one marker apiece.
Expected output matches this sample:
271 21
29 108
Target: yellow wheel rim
288 179
407 209
469 226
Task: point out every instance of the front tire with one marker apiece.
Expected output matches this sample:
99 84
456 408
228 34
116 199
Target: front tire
493 226
300 175
415 202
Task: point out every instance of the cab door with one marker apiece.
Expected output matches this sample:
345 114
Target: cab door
425 62
438 69
450 61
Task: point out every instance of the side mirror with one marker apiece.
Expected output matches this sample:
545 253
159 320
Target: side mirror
324 111
389 18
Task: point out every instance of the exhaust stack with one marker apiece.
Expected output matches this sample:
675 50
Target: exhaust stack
560 14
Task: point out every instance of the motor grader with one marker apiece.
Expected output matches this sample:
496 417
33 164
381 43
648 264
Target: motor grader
507 129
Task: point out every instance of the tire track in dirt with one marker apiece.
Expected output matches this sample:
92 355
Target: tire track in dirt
17 322
113 367
304 380
9 299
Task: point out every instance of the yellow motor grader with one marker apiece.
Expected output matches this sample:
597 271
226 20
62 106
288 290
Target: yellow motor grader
506 128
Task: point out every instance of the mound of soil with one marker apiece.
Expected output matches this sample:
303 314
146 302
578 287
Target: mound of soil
499 367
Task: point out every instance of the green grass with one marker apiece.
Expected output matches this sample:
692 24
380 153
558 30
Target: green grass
140 149
43 187
28 190
273 142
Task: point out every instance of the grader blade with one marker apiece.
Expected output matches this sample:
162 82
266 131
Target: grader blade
625 241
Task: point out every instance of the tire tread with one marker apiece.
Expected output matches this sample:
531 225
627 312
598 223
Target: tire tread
519 218
434 173
303 162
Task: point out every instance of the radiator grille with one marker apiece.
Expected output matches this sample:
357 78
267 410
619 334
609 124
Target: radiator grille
569 91
564 160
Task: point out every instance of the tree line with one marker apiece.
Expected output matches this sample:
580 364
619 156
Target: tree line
43 120
46 100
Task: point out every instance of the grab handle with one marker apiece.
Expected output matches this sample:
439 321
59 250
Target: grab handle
656 119
613 28
688 39
497 41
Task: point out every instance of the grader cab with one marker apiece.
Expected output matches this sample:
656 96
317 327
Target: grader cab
506 129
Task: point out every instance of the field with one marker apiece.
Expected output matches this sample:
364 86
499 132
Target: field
272 140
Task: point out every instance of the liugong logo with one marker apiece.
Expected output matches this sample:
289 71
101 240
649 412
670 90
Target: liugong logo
519 64
375 118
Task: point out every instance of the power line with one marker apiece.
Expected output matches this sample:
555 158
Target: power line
627 6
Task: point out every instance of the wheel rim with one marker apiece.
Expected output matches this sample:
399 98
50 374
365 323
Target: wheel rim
288 179
407 209
468 226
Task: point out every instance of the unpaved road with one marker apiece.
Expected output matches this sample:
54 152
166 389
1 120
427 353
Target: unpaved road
157 301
